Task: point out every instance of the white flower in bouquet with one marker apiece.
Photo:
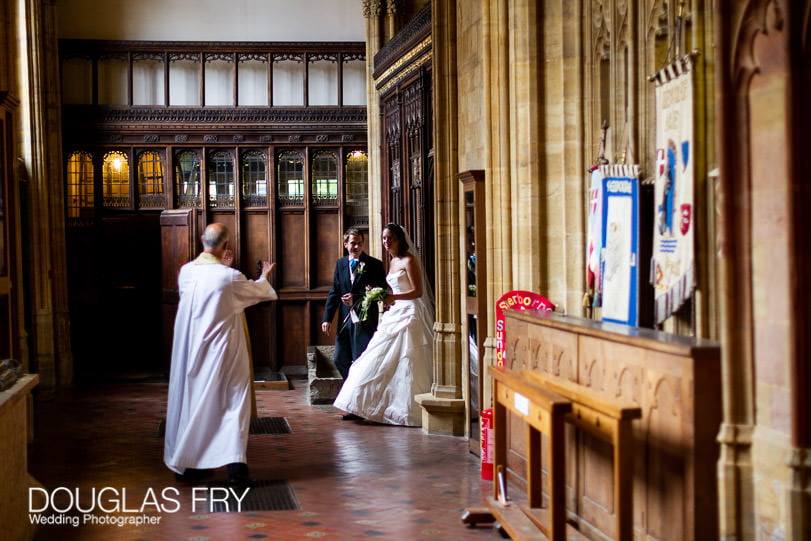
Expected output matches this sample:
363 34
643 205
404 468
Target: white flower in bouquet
375 294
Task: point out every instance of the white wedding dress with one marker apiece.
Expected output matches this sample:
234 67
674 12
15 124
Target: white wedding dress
396 365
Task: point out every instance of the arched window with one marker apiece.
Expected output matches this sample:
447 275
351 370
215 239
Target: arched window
187 179
116 180
356 188
220 180
150 180
290 177
324 185
80 186
254 179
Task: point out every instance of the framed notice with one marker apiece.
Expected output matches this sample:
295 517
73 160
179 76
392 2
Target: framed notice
619 269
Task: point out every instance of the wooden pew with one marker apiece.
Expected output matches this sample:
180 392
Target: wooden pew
543 412
610 420
676 380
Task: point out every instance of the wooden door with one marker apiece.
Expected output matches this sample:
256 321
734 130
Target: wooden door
178 245
475 269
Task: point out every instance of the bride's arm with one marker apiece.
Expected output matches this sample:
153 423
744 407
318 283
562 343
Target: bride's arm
412 269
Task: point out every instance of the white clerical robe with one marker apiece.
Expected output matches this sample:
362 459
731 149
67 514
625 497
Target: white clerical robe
209 405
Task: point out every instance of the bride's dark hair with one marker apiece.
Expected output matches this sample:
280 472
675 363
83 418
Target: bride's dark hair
402 243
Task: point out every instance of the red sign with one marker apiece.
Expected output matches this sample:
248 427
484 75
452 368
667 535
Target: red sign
515 300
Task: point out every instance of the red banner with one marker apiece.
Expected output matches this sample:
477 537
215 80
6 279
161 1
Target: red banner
516 300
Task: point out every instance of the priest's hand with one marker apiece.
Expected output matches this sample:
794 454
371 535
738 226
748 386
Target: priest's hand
267 268
228 258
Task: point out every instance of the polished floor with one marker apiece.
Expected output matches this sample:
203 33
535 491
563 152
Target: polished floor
352 480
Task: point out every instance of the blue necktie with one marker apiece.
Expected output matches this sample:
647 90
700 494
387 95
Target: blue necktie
352 264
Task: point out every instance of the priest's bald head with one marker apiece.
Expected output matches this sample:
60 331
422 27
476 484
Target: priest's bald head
215 238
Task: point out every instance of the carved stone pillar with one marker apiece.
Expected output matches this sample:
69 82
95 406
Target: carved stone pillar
391 17
444 406
498 182
763 79
41 150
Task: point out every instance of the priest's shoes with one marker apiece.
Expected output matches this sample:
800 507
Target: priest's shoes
238 476
241 482
351 417
193 475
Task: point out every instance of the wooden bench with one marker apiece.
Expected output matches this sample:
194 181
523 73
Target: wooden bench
609 420
543 412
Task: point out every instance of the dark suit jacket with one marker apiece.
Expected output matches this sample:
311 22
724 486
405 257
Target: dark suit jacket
373 275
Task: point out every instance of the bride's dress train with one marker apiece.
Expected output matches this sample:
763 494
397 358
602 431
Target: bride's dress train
396 365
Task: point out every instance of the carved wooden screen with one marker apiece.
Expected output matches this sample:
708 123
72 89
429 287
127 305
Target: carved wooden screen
273 175
403 78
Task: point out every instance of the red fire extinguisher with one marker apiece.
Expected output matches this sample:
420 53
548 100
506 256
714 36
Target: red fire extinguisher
487 444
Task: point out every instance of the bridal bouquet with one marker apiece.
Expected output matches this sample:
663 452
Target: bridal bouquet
373 295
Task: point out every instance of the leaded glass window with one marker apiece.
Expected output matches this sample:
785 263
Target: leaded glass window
187 179
150 180
253 176
116 180
290 175
220 180
356 188
80 176
325 178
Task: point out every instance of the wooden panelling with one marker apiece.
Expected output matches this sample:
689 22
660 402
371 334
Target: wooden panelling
229 220
553 352
292 250
671 378
255 241
316 336
327 236
261 328
292 325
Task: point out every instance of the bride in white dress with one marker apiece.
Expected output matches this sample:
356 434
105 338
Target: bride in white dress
397 363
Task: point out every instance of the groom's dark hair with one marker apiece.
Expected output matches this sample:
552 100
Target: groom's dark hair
352 231
402 243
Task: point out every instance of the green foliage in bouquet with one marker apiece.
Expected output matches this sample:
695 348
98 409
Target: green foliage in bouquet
373 295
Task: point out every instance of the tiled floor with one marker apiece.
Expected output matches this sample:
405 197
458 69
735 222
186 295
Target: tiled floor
352 480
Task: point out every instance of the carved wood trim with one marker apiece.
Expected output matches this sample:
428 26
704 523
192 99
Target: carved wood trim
411 34
92 48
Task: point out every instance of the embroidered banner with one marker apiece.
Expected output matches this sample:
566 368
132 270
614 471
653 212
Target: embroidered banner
673 262
618 265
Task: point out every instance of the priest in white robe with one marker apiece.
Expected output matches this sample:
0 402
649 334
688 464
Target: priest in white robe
209 404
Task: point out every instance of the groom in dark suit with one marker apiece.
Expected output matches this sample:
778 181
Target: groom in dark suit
353 273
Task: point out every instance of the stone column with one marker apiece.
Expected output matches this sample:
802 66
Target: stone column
41 151
444 406
497 183
498 180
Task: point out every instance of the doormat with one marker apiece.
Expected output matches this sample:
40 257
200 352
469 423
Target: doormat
270 425
262 425
265 496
